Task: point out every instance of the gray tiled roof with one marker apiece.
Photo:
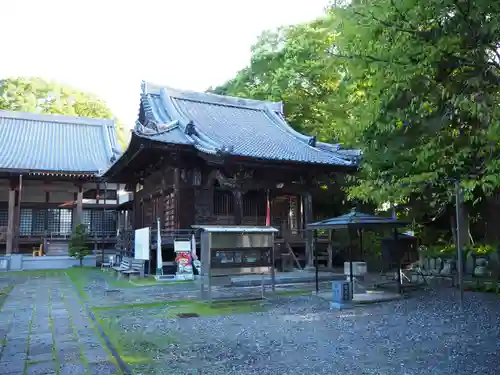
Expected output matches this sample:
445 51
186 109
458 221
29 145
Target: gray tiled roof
54 143
217 124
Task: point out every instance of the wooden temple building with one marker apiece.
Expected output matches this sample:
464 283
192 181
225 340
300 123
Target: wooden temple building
200 158
50 168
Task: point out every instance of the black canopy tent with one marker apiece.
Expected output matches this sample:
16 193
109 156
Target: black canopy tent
358 221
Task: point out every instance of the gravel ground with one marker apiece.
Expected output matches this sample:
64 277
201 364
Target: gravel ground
424 334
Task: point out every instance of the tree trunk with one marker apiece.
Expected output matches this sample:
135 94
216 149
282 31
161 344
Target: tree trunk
464 223
81 262
453 225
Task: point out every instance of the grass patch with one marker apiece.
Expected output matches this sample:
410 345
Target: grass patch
4 293
138 345
150 280
205 309
486 286
294 292
173 308
135 347
80 277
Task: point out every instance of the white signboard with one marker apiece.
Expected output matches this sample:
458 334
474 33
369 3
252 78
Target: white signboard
182 246
141 244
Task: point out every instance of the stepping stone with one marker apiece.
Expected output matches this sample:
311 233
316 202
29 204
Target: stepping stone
72 368
102 368
42 368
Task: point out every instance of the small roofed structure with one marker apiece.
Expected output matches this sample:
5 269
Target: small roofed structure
235 251
49 165
204 159
356 221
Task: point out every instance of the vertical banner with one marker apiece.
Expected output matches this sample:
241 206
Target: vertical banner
268 209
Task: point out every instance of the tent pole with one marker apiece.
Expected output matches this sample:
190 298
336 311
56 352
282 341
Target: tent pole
351 278
398 277
360 233
459 198
315 232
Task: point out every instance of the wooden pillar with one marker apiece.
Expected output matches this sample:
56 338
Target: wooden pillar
238 207
17 215
78 211
177 193
307 199
11 221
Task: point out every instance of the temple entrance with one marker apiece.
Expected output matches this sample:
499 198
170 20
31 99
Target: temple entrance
286 215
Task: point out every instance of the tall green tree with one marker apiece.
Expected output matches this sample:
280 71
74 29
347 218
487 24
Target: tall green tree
41 96
294 64
423 82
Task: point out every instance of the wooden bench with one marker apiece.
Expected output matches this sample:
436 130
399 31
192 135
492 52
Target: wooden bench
108 262
136 267
124 265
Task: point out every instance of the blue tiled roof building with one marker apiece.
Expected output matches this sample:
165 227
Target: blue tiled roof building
54 144
229 126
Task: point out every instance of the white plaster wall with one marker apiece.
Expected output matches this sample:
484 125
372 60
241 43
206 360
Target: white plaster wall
32 194
4 195
61 197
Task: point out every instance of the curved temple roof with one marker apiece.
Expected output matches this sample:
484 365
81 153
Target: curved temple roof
57 144
216 124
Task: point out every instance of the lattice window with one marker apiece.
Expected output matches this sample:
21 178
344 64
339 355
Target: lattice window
4 217
59 220
25 221
53 221
96 221
109 221
38 221
65 220
223 203
169 213
102 221
86 219
254 204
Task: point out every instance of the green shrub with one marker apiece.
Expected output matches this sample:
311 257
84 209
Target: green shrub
78 243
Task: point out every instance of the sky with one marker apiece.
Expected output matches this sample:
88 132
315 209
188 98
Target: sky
108 47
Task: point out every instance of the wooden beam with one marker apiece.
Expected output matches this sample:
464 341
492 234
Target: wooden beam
10 222
29 185
307 199
177 191
238 207
78 212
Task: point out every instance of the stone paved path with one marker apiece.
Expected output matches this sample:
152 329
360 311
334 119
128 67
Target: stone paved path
44 329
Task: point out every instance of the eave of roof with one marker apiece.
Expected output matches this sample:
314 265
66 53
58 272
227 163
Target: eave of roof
56 145
215 124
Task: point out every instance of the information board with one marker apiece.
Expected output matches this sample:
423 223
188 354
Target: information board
141 244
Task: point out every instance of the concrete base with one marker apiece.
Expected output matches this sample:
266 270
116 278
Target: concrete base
375 296
180 277
294 277
340 306
19 262
371 296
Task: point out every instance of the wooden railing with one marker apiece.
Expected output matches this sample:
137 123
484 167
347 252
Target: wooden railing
92 236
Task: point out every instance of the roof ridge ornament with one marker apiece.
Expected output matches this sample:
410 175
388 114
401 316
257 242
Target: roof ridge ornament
226 149
312 141
190 128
